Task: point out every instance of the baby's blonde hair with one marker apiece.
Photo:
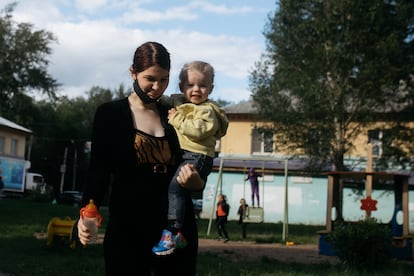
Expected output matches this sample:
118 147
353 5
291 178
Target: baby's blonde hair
200 66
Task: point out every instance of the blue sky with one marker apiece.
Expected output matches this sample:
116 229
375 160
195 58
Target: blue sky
97 39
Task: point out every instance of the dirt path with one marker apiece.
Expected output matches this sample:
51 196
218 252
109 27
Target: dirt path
249 251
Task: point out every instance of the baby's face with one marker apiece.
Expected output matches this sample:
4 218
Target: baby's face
197 87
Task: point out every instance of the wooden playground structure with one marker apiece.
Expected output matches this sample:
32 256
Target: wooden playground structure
399 223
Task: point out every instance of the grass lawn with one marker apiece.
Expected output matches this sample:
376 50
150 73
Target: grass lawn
22 254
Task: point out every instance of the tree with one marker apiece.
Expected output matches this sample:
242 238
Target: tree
330 68
222 102
65 125
23 64
120 93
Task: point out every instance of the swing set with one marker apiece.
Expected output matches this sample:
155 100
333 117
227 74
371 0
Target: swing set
252 214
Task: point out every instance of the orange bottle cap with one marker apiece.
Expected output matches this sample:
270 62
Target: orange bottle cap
90 210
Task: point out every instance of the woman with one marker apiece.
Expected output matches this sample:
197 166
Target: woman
134 155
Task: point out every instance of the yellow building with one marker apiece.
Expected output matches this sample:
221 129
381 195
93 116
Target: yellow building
243 137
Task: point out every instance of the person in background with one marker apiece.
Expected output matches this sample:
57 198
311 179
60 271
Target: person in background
199 123
254 185
242 214
134 155
222 212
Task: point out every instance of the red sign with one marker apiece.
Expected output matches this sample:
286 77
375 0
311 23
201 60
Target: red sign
368 204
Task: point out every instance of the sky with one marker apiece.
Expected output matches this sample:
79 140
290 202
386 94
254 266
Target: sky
96 39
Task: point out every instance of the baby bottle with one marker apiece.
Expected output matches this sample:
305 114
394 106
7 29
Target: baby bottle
91 219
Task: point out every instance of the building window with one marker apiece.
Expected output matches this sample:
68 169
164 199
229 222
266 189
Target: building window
375 137
262 141
14 147
2 144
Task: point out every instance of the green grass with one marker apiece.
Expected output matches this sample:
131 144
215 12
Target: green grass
264 232
22 254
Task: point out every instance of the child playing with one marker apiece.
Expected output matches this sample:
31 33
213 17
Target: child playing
199 123
254 185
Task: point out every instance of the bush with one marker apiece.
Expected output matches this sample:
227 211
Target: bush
365 244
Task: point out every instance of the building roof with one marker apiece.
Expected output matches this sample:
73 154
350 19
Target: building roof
244 107
9 124
247 107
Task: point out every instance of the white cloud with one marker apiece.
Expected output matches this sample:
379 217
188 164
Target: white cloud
220 9
97 39
90 5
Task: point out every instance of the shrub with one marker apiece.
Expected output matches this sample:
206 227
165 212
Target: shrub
365 244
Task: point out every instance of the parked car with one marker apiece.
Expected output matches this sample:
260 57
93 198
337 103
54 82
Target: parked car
198 207
70 197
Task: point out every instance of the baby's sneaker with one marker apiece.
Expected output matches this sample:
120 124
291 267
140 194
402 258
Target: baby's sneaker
166 245
180 241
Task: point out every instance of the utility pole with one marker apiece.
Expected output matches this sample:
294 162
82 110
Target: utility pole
63 170
286 209
75 157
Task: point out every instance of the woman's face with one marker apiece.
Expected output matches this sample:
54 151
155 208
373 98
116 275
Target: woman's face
153 81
